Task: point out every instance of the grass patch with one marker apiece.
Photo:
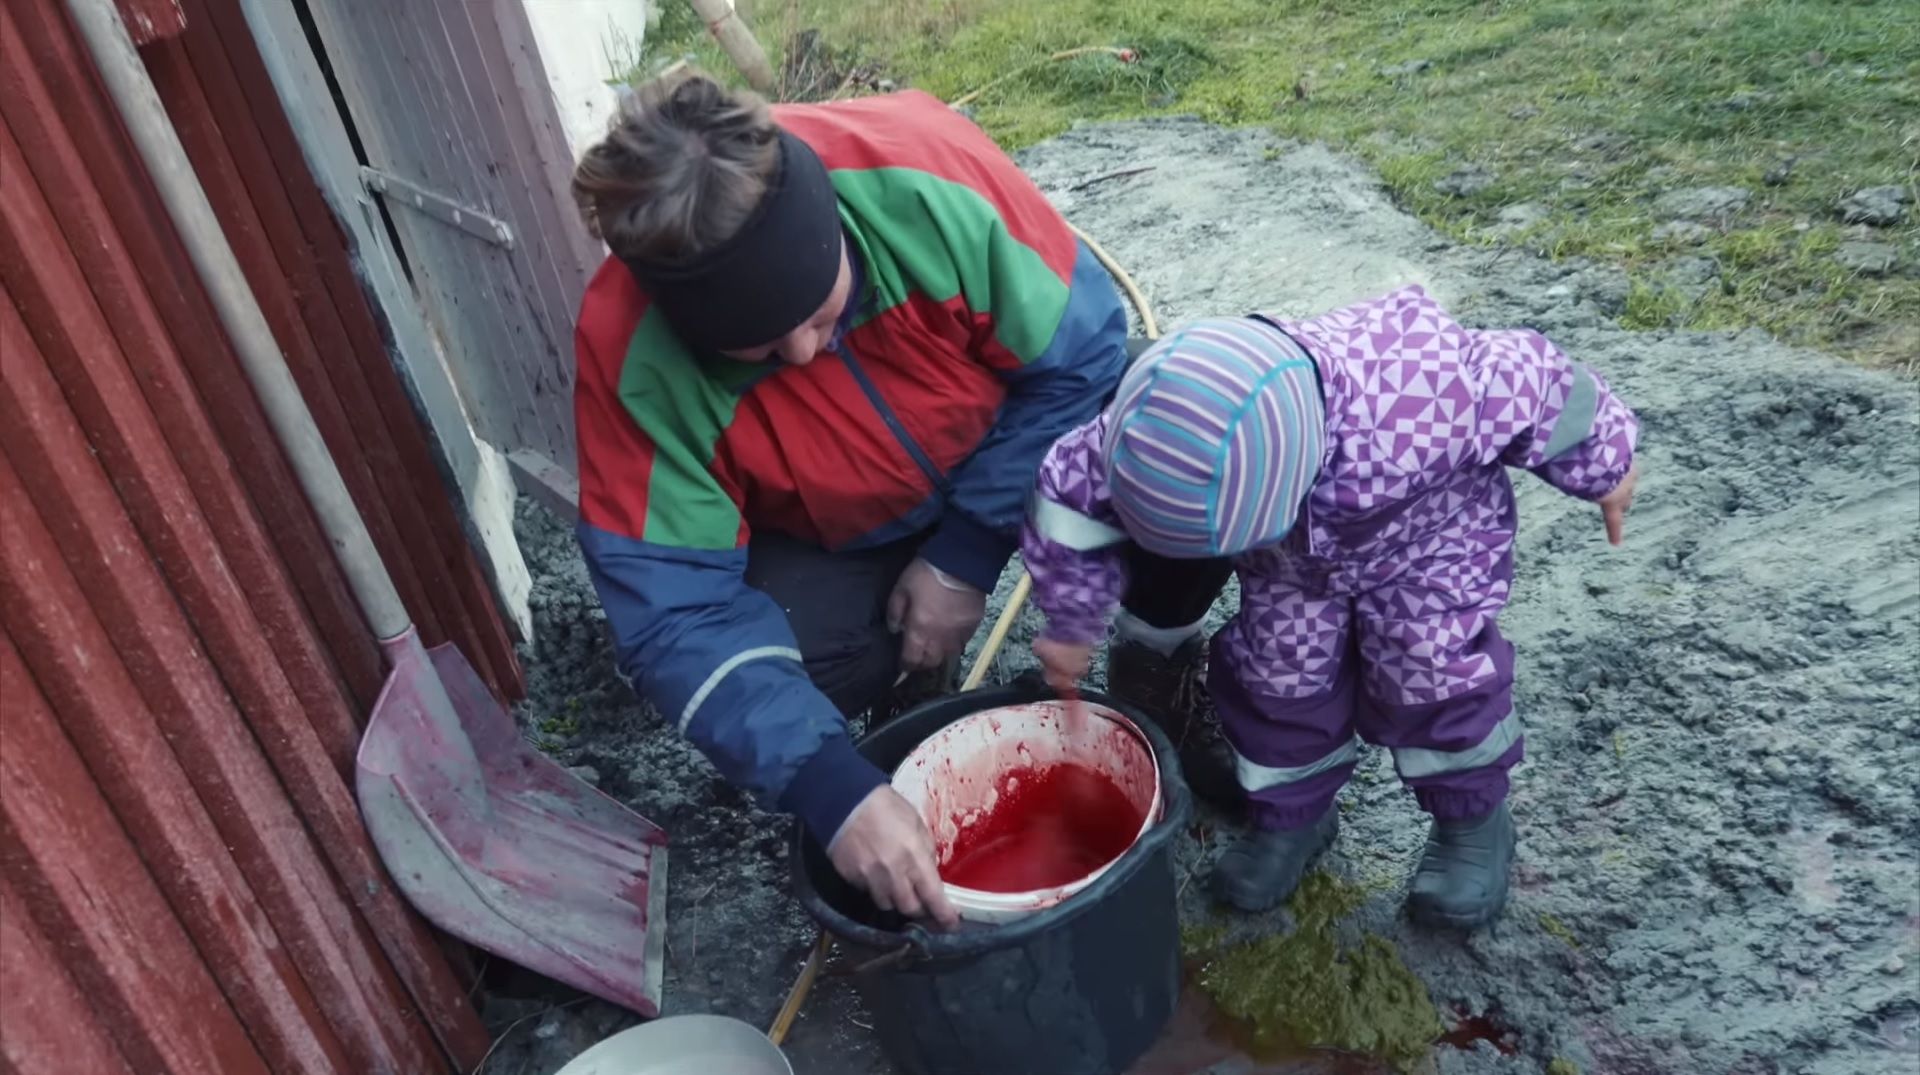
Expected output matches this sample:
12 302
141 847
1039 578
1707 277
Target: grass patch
1654 305
1590 109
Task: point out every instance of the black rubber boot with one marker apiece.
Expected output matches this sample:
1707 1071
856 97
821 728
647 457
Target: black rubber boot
1266 865
1462 879
1172 691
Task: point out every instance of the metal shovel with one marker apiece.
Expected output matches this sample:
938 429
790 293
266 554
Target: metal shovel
492 841
499 845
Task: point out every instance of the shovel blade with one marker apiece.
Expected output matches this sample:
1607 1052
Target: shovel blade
498 845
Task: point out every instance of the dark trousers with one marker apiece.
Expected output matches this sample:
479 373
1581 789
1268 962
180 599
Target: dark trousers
836 603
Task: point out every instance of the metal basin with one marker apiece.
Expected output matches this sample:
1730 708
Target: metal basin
684 1045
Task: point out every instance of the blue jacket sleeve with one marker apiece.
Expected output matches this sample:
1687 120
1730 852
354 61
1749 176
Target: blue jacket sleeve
1062 388
718 660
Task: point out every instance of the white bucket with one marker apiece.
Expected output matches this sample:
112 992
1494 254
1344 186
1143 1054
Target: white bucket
953 779
684 1045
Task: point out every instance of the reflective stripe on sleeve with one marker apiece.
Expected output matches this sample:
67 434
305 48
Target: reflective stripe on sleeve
726 669
1575 423
1059 523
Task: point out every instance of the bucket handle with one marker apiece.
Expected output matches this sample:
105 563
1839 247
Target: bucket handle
913 951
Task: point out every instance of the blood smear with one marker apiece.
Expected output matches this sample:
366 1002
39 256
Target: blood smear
1050 827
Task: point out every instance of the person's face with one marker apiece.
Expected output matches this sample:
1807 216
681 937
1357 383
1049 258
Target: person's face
810 337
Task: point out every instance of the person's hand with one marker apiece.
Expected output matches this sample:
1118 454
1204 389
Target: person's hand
1063 663
934 613
1613 506
884 848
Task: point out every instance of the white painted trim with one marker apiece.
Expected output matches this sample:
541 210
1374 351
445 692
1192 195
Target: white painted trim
585 45
547 482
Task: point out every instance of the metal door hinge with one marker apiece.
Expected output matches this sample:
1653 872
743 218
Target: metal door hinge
440 207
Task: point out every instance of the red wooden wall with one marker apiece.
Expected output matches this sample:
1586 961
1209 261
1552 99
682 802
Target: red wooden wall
183 675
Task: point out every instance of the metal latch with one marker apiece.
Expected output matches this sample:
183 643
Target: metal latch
446 210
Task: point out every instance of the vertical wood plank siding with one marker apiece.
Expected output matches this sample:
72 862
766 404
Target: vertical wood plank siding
450 95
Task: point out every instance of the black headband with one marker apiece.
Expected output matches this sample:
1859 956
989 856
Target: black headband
770 277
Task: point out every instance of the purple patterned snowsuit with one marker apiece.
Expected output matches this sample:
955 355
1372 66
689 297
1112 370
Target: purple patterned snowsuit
1375 619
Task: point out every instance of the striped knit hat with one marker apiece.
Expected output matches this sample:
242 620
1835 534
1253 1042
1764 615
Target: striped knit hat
1215 438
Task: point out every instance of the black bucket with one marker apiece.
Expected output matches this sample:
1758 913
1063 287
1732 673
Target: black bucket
1083 988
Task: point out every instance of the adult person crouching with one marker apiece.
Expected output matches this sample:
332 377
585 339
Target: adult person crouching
816 380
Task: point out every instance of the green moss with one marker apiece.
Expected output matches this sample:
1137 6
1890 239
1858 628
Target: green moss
1588 108
1558 929
1560 1065
1308 990
559 727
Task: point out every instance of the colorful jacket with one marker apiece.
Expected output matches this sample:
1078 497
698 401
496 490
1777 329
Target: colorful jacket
981 330
1423 418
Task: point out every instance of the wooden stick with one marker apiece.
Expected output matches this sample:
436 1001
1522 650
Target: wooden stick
797 996
999 634
737 40
1123 55
1118 173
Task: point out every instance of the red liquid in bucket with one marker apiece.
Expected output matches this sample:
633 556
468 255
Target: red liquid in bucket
1050 827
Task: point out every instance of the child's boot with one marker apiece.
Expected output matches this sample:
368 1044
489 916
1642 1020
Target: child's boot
1462 879
1266 865
1169 689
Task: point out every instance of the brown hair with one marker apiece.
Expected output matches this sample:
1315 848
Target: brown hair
684 164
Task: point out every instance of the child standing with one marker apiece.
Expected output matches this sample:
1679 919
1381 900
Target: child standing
1354 467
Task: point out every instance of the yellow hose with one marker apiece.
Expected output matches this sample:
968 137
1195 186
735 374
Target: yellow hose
1127 285
1004 625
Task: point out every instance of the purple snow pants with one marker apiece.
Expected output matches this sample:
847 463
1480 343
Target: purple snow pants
1405 656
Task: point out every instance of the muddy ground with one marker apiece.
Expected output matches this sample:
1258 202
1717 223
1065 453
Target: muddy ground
1718 870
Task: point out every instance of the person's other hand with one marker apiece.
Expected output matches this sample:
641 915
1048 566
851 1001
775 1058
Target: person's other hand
1613 506
884 848
1063 663
934 613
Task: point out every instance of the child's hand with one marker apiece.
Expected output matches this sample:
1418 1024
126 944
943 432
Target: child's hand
1613 506
1064 663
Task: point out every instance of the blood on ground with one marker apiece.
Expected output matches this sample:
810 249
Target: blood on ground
1470 1028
